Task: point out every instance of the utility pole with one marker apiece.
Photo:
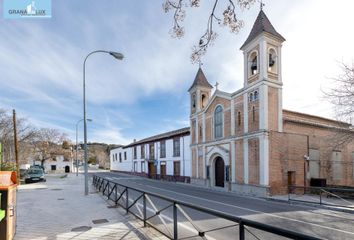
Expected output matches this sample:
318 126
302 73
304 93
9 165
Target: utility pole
0 156
16 145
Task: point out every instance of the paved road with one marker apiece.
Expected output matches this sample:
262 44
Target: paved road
325 224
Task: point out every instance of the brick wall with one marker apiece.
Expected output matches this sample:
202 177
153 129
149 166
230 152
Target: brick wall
239 161
253 161
286 154
326 141
239 108
194 163
253 116
273 108
227 123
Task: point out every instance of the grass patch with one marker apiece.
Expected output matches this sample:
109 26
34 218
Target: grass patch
64 176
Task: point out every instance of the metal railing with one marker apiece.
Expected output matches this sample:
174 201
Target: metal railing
338 197
174 215
170 178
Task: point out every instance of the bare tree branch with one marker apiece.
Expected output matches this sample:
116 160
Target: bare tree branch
230 20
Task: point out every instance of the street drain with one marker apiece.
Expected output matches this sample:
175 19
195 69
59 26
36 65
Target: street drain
99 221
81 229
60 198
56 189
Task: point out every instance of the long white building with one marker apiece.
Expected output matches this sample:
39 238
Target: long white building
164 156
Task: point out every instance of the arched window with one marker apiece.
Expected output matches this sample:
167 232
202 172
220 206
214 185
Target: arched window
253 64
218 122
204 100
255 95
193 101
239 118
272 66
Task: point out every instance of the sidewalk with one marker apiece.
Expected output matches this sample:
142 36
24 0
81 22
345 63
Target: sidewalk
58 209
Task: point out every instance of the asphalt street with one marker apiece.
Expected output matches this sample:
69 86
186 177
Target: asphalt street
322 223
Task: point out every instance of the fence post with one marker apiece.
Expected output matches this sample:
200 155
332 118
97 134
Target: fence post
115 199
127 199
144 209
320 196
175 230
241 231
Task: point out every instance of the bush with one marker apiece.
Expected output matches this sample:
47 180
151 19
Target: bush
8 166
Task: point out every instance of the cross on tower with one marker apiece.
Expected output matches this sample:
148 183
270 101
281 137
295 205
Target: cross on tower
261 4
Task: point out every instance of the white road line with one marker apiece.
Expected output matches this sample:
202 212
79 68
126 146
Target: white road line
161 216
251 210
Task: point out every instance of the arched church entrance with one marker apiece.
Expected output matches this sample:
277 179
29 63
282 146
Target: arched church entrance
219 172
67 169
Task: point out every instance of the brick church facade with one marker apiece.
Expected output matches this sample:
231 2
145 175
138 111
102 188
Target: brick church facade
246 142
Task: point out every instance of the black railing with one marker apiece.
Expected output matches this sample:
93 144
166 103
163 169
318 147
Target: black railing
170 178
338 197
177 215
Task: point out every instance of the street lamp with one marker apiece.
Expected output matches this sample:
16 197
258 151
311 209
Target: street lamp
118 56
77 161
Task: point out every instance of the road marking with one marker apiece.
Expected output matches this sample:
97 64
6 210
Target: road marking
248 209
161 216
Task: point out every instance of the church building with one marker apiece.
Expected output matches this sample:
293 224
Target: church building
246 142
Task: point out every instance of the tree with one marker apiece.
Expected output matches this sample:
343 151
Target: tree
47 144
229 19
341 96
25 132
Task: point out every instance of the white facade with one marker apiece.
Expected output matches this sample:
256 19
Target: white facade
179 165
59 165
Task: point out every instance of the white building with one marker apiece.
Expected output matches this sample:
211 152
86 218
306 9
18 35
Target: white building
58 164
164 156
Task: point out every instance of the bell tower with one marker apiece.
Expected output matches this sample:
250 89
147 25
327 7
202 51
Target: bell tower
199 92
262 52
262 94
262 71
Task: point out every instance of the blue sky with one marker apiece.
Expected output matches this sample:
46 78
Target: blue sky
146 93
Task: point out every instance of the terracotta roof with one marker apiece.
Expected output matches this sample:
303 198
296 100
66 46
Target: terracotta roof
166 135
200 80
262 24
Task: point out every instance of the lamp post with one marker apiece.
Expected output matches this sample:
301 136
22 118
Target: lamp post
77 161
117 56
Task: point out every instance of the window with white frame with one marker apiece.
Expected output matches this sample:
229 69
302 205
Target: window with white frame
176 147
134 152
163 149
142 151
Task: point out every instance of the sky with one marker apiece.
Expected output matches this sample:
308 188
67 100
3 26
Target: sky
41 62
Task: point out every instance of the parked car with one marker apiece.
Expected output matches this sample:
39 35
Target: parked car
34 175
